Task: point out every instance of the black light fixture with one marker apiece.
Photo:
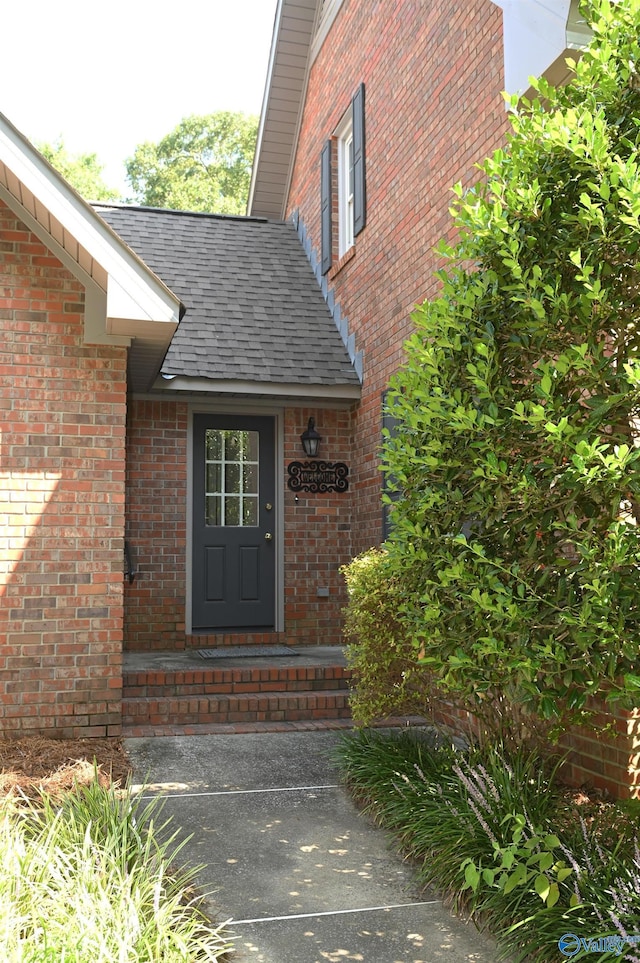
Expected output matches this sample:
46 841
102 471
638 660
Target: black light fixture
310 439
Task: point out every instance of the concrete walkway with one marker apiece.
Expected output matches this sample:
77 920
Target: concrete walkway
303 876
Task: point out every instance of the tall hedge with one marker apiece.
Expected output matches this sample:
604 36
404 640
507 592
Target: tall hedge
516 461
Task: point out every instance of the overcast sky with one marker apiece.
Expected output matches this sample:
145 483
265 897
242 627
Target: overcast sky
106 76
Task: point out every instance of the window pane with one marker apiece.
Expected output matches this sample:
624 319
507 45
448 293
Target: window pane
231 469
249 511
251 446
231 510
213 444
214 477
213 510
350 164
232 479
250 479
232 445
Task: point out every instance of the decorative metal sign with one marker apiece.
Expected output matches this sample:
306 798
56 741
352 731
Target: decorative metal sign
318 476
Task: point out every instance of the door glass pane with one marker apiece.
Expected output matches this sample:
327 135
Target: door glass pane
214 478
249 511
231 477
214 445
232 510
213 509
250 479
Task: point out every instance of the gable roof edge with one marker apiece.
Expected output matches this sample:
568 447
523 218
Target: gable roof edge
294 26
37 188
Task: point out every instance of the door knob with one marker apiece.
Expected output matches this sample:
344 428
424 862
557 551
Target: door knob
268 536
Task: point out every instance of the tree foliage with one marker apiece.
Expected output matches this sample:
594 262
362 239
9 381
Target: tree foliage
82 171
204 164
516 461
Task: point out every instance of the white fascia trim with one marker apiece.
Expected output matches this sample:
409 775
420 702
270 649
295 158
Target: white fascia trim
95 299
265 106
180 383
133 290
265 102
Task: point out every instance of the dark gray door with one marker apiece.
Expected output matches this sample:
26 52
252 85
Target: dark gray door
234 522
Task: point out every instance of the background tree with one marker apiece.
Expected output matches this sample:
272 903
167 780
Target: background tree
516 533
204 164
83 171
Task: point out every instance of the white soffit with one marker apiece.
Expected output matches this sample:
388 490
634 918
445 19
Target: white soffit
281 107
87 245
539 36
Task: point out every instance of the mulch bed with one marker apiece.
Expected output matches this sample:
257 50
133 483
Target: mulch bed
34 764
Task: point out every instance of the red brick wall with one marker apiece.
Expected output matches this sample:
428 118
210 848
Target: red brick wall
433 76
156 524
62 415
606 755
317 537
433 73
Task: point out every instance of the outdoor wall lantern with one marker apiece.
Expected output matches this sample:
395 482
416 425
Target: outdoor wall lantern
310 439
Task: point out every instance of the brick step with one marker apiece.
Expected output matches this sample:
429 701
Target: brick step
164 683
280 706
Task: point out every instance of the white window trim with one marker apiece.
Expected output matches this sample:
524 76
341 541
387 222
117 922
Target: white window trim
344 139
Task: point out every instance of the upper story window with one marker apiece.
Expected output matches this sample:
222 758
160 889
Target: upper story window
344 140
347 146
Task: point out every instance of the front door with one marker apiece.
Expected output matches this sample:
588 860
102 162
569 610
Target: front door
234 534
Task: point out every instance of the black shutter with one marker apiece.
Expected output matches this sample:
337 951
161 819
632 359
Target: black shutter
325 206
359 192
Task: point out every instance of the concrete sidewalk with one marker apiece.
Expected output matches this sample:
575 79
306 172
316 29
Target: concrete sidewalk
304 877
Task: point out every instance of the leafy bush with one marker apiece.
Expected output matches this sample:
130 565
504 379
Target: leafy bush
380 655
494 832
93 880
515 549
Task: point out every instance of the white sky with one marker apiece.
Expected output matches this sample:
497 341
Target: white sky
106 76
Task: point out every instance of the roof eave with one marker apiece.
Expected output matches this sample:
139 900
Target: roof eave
122 294
282 107
302 391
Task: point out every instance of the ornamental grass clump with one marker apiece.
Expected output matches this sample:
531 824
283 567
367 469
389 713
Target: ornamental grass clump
494 832
94 880
444 804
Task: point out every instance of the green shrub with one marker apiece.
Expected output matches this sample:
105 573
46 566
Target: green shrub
515 541
386 680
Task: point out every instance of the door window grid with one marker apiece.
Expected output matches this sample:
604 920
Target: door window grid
231 478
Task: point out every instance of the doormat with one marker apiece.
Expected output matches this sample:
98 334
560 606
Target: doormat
246 651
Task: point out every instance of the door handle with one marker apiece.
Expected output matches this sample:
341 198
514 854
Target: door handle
268 536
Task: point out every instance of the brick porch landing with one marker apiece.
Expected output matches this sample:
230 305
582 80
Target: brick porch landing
167 693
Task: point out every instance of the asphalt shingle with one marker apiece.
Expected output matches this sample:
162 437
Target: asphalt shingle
254 311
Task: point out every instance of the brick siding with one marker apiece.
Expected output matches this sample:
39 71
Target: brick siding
433 77
317 533
433 72
62 434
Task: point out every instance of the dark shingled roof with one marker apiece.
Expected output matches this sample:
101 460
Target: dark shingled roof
254 311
